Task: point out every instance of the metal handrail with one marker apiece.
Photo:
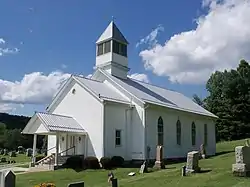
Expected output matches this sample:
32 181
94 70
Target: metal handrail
73 147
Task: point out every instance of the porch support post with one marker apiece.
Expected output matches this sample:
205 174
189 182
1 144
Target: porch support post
57 148
34 149
86 145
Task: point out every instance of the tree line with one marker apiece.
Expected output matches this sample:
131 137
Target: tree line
229 99
11 137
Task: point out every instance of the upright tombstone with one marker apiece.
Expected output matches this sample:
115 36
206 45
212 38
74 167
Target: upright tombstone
242 157
202 151
144 168
7 179
114 183
5 152
192 165
29 152
159 163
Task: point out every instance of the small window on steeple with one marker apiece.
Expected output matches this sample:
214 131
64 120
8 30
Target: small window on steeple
100 49
119 48
107 47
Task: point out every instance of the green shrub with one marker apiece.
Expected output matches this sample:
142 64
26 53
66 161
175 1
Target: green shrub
91 162
117 161
73 162
39 157
106 162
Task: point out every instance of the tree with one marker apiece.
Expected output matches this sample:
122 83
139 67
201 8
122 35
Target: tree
198 100
229 99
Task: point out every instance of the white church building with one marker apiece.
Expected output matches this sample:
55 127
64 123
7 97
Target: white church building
111 114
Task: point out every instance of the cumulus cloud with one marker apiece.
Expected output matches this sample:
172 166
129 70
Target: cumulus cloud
34 88
220 39
139 77
151 38
2 41
6 50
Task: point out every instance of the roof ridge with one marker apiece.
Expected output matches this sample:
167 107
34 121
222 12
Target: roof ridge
87 78
54 114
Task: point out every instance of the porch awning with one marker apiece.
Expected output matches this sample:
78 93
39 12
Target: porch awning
45 123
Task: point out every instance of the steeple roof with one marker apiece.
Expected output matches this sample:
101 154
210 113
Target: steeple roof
112 32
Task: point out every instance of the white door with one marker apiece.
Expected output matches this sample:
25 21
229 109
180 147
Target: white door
72 143
80 145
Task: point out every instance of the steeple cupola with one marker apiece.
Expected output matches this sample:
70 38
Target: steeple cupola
111 52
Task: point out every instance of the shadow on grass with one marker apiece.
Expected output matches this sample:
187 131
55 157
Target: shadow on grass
205 171
223 153
220 153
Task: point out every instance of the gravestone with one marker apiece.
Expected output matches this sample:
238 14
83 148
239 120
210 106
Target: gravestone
20 150
76 184
202 151
159 163
7 179
144 167
114 183
5 152
241 167
192 165
29 152
12 154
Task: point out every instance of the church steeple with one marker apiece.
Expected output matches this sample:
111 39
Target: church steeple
111 53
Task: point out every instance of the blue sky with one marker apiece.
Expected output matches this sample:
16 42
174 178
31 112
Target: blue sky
48 36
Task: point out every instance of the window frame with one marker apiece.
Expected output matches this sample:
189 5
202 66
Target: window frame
193 134
178 132
100 50
160 131
205 134
118 137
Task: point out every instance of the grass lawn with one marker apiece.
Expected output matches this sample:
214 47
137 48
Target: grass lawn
219 176
20 158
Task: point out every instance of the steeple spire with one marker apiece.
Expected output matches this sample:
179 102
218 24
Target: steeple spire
111 53
112 32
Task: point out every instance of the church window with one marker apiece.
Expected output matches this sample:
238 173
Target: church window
193 134
119 48
160 131
123 50
118 137
107 47
100 49
205 134
178 132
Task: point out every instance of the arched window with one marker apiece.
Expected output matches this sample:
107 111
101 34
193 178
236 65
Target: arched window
178 132
193 134
205 134
160 131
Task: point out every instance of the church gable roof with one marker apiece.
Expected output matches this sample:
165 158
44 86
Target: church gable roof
112 32
160 96
101 89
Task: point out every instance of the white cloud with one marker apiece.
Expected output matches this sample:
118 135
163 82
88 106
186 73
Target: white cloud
89 76
151 38
2 41
34 88
5 50
220 40
139 77
5 108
